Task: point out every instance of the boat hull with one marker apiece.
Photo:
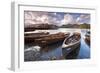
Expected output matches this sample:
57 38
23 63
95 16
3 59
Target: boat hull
30 37
87 40
68 49
71 44
51 39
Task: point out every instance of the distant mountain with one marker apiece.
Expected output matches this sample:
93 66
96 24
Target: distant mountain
85 25
82 26
32 27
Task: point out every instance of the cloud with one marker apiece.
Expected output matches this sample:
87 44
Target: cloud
68 19
39 17
83 19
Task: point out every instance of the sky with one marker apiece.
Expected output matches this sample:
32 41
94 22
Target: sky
56 18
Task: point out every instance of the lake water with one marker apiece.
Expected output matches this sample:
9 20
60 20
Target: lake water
55 51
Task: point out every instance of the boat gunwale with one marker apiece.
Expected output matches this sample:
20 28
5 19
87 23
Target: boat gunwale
69 45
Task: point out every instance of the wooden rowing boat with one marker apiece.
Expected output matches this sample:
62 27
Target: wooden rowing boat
71 43
51 38
30 37
87 38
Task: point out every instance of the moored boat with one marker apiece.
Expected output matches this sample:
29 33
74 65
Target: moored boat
38 33
30 37
87 38
51 38
71 43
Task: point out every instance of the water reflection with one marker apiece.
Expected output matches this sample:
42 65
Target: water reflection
84 52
